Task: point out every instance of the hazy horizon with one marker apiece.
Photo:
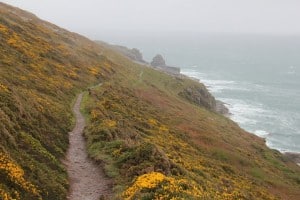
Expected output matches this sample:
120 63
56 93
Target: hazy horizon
102 19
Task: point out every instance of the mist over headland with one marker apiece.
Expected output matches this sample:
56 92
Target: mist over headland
96 19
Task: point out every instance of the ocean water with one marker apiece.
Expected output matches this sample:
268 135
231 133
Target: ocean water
258 77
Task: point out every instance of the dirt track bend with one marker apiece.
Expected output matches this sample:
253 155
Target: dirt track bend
87 180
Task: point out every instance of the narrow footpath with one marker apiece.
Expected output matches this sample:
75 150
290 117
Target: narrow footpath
87 180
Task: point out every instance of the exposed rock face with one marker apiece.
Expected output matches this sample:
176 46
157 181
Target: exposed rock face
158 61
295 157
170 70
222 109
137 55
199 96
133 54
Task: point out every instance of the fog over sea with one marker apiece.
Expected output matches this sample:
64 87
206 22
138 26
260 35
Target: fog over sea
258 77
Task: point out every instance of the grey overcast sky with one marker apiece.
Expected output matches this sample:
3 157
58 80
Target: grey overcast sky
95 17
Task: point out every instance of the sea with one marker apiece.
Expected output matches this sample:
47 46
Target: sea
256 76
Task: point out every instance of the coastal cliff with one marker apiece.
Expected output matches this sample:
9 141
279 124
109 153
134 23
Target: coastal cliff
133 54
159 62
154 134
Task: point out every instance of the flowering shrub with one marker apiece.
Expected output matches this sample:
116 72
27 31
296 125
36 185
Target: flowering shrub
42 68
149 156
15 175
3 88
158 186
4 195
109 123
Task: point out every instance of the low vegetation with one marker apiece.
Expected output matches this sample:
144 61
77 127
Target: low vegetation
42 68
157 136
158 142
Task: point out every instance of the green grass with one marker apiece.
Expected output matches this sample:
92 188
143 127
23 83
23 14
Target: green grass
41 71
136 125
188 141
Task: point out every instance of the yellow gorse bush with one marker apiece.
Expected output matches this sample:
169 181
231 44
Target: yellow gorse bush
3 29
94 70
152 122
142 143
148 181
3 88
109 123
164 187
15 174
163 128
4 195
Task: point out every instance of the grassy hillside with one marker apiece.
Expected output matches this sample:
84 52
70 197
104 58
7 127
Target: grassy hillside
157 136
42 68
158 144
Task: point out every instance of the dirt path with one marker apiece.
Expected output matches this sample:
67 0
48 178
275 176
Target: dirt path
87 180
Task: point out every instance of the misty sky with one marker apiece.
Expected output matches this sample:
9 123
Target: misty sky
94 18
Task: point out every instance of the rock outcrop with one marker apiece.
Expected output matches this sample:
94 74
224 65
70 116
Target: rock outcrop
222 109
159 62
133 54
295 157
137 55
199 96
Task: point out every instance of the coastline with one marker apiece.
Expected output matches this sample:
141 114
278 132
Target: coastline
293 156
222 109
220 106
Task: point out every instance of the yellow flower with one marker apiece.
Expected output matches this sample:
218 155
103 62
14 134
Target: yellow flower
152 122
149 181
16 175
109 123
3 87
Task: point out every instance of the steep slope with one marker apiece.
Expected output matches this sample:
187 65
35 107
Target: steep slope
159 142
156 135
87 180
42 67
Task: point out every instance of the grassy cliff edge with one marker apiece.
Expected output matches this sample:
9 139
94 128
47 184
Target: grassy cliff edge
157 136
158 139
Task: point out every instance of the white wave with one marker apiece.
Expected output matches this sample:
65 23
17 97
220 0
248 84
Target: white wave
215 85
217 82
247 114
261 133
243 120
280 145
251 115
244 108
193 73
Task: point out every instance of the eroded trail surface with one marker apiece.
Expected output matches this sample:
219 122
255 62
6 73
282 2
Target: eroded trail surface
87 180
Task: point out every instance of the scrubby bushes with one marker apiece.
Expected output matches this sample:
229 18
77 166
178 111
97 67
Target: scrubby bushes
151 159
40 74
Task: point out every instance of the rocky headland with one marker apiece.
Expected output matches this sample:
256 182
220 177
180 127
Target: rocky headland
159 62
144 127
200 95
133 54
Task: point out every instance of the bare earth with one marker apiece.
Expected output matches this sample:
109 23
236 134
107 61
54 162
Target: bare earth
87 180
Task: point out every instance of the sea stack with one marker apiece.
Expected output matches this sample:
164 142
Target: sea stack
159 62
